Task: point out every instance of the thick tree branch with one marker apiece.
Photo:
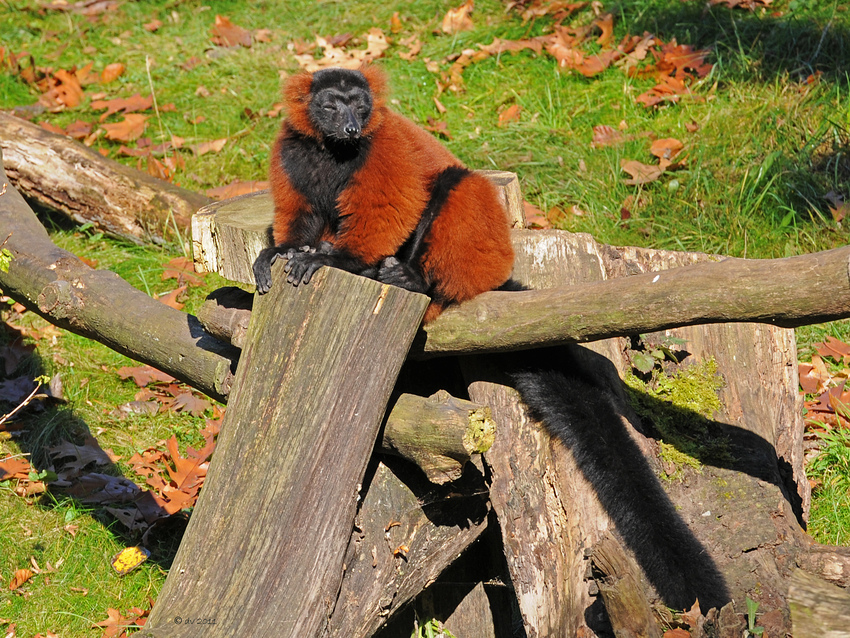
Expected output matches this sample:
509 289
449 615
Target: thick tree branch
64 175
789 292
100 305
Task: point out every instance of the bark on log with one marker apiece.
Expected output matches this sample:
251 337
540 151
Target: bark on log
629 611
439 434
226 313
405 536
320 363
66 176
818 609
100 305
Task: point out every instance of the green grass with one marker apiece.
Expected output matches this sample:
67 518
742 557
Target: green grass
768 147
830 516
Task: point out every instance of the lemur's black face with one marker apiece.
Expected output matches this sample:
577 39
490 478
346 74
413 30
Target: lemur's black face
341 104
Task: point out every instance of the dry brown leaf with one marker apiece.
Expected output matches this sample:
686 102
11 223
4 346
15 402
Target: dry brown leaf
79 130
606 25
157 169
438 127
414 45
227 34
112 72
129 129
171 298
19 578
183 270
125 105
604 135
237 187
153 26
52 128
559 10
641 173
666 150
61 90
114 625
534 217
510 114
693 615
749 5
208 147
143 375
459 18
396 25
15 467
263 35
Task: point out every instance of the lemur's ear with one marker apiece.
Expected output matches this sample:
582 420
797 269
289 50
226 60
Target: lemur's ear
296 96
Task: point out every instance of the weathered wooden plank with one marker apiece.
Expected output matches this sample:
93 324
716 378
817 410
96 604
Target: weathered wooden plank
263 553
406 535
818 609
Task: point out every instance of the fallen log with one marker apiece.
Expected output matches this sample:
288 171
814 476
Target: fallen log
100 305
65 176
439 434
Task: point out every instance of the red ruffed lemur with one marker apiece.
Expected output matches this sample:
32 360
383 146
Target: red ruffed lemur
361 188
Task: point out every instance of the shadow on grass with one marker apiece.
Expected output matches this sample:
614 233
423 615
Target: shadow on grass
753 45
87 481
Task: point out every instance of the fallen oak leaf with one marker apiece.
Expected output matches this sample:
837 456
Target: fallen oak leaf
143 375
640 173
16 467
125 105
604 135
809 380
237 187
438 127
534 217
188 402
129 129
52 128
396 25
666 150
183 270
79 130
112 72
834 348
114 625
171 298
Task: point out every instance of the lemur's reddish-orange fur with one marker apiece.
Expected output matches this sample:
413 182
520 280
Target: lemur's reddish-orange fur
468 249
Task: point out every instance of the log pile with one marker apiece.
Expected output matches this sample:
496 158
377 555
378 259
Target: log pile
303 530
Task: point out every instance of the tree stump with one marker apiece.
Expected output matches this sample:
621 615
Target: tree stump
263 552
